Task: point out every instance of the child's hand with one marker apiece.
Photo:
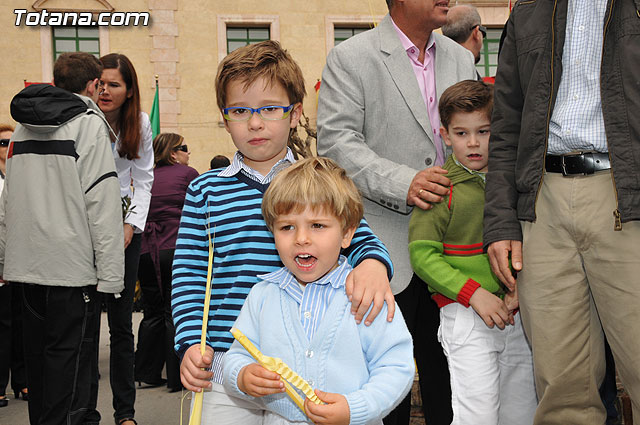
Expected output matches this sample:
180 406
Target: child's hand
191 374
257 381
368 284
335 412
491 308
511 299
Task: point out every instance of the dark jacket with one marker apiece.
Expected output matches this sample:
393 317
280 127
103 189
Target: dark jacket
529 74
169 189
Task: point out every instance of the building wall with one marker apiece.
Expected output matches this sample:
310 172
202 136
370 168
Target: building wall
183 46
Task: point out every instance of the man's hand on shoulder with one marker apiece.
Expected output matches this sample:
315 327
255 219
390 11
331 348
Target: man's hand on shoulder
499 258
428 187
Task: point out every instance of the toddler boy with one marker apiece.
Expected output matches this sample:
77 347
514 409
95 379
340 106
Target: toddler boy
301 312
259 89
490 363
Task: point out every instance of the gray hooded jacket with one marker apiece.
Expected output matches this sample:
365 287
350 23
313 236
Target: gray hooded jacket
60 211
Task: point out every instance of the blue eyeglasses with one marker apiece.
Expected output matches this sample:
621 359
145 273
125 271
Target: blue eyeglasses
267 113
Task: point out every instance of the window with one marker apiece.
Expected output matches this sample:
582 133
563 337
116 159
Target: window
238 37
489 54
341 34
75 39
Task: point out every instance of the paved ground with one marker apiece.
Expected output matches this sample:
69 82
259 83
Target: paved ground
154 406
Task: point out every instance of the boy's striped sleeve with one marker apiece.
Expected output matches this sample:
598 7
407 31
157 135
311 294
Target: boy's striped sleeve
189 278
365 244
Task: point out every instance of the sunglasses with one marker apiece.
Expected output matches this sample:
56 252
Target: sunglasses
182 148
4 142
482 30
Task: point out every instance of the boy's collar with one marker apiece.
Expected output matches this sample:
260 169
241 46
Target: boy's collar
480 174
238 164
336 277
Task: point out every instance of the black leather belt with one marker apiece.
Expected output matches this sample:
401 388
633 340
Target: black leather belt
582 163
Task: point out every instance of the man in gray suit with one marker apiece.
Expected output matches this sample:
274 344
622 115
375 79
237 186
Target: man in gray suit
378 118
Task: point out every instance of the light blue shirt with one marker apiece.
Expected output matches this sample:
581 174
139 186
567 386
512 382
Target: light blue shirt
316 296
577 123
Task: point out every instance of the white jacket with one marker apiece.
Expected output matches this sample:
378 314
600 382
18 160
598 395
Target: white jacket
60 211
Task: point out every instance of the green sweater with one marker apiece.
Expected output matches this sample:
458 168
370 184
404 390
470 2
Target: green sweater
445 242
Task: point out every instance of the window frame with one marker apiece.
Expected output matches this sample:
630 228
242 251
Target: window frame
272 22
77 39
331 22
47 53
484 67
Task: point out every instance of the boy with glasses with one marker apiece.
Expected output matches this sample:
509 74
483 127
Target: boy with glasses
260 90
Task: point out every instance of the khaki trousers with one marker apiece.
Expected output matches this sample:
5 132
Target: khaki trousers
579 277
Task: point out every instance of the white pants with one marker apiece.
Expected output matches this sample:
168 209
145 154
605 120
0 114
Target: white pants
219 408
492 381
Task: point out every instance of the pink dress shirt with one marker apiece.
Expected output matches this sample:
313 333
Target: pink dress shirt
426 76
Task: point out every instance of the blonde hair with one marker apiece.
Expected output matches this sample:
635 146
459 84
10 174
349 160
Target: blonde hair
318 183
164 145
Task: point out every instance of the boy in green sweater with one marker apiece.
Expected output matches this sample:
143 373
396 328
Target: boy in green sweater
489 358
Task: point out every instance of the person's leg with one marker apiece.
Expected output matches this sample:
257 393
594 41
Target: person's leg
59 395
119 311
82 413
431 361
33 301
218 408
422 316
609 387
18 372
558 313
171 358
472 352
518 399
5 336
149 358
407 304
613 270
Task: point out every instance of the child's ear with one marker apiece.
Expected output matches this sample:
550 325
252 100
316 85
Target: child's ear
348 235
296 114
445 136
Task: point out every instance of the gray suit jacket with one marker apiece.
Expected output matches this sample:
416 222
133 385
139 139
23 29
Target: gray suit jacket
373 121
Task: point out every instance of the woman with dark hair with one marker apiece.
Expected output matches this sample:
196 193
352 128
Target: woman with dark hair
156 332
133 153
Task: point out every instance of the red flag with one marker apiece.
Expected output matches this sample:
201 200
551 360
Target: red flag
29 83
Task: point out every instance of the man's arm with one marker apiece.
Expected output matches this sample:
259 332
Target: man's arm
99 182
501 223
341 116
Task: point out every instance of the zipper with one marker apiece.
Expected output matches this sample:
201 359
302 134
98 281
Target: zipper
546 136
617 221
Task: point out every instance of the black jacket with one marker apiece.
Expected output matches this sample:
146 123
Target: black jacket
529 73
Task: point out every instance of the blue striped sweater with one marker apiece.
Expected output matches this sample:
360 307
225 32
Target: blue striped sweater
243 249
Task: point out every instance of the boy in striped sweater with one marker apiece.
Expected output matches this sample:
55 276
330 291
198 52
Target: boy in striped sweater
260 90
489 358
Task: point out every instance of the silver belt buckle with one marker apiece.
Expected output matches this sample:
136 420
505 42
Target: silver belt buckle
564 167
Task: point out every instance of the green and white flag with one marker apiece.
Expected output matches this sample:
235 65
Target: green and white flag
155 114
